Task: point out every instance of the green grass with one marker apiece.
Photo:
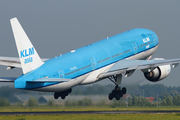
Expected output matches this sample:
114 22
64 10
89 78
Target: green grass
174 116
82 108
95 117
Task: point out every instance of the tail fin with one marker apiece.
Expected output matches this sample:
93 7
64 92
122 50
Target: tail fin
29 58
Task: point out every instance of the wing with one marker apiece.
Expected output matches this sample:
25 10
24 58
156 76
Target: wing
12 62
125 66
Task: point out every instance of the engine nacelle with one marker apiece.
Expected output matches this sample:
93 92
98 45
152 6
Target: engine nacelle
158 73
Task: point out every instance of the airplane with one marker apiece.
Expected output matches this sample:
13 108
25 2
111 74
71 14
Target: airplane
112 58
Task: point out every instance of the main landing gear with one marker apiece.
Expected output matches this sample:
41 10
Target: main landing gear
62 94
117 92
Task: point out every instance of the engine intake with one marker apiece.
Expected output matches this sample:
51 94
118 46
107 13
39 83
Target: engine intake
158 73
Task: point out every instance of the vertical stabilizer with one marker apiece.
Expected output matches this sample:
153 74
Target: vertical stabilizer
29 58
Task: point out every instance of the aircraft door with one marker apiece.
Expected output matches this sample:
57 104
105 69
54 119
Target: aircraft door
93 64
135 47
61 74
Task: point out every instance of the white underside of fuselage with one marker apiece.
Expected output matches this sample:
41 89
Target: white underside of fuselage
92 76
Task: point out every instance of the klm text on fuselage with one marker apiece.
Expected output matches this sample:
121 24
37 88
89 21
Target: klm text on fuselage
27 53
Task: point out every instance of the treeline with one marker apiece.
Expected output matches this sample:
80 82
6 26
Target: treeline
97 89
158 89
144 90
170 101
164 96
165 101
133 101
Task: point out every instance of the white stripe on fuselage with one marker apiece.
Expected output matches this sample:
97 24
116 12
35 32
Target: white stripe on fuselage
92 76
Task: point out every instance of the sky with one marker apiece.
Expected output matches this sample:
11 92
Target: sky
59 26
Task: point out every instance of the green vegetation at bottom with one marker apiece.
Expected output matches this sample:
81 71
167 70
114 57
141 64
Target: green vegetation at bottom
95 117
84 108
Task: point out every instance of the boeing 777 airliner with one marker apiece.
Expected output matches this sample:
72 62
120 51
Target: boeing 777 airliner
111 58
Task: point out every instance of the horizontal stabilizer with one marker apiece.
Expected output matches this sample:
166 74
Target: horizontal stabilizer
7 79
13 61
51 80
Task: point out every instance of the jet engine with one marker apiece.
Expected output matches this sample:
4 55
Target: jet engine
158 73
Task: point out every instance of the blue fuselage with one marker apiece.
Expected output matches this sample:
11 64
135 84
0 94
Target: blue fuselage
91 57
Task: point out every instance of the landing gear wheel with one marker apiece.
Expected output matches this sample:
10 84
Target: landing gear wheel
118 96
121 93
124 90
63 96
117 93
113 92
110 96
55 96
